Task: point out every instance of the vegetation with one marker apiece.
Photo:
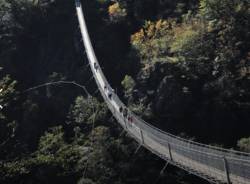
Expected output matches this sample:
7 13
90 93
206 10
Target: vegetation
244 144
182 65
116 13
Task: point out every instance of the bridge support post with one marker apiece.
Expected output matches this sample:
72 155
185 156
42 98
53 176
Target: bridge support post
226 170
163 169
122 133
113 109
137 149
142 138
169 152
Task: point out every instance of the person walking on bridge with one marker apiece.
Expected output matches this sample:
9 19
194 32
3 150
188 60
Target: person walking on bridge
96 66
125 112
110 95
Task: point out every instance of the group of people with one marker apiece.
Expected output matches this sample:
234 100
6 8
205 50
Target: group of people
109 92
124 112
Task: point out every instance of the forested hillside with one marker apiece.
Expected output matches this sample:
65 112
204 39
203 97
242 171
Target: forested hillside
182 65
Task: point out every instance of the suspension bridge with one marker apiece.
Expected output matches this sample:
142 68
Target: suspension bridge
214 164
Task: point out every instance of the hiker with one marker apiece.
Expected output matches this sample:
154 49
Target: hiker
120 109
130 119
110 95
95 66
105 88
125 112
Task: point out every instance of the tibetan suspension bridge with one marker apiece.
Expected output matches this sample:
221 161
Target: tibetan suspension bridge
217 165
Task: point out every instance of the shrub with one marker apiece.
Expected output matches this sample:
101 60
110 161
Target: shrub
244 144
116 12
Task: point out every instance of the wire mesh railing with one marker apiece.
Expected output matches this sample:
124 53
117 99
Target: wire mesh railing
212 163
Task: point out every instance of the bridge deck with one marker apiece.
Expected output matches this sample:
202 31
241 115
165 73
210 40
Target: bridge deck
211 163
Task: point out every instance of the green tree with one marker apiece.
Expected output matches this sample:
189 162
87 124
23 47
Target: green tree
221 9
8 95
244 144
87 110
152 41
128 84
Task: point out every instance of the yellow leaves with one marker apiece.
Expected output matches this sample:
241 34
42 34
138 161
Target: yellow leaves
137 37
153 39
114 8
160 23
116 11
164 40
184 36
154 29
151 30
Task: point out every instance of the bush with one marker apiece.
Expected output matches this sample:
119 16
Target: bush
116 12
244 144
128 84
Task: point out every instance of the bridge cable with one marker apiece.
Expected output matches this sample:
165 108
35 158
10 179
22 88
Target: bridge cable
45 85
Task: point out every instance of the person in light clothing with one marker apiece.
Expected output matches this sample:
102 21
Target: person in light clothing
95 66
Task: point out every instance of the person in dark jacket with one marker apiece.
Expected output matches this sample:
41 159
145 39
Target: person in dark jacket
110 95
125 112
95 66
130 119
120 109
105 88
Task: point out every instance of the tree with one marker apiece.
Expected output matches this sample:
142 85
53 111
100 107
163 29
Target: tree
116 12
86 111
152 41
128 84
221 9
8 123
244 144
